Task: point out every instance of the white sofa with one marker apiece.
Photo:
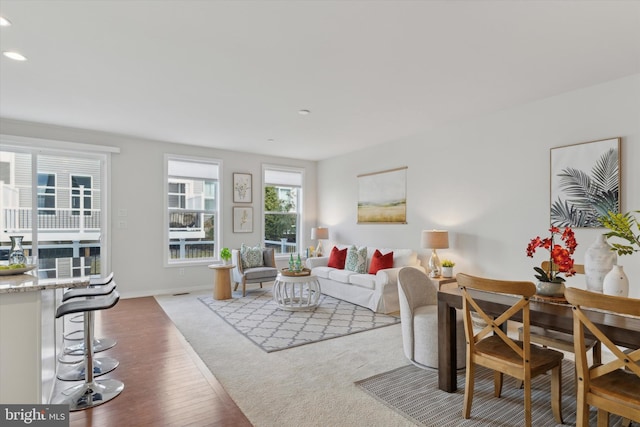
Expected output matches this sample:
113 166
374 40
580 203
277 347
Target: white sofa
377 292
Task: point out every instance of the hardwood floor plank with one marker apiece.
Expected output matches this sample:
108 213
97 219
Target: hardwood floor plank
166 383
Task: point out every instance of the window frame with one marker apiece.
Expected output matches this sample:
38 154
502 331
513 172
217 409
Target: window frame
299 207
217 213
46 210
82 197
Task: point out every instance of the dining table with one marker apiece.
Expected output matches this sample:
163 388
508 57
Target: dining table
623 331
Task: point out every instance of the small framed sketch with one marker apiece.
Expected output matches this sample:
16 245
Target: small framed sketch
242 188
242 219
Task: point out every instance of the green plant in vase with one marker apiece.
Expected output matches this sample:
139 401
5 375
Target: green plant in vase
447 268
621 226
225 255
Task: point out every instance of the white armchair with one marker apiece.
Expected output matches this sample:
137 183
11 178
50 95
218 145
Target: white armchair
259 274
419 320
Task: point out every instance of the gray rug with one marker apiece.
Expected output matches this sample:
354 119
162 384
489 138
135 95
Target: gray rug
257 317
414 393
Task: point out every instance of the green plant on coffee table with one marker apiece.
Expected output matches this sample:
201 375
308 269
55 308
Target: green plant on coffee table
621 226
448 263
225 254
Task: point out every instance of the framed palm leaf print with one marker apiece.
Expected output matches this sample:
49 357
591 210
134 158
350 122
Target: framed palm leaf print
585 183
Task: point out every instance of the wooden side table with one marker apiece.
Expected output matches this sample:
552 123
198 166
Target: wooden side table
439 282
221 281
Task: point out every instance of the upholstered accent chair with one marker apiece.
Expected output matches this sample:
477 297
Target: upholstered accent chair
419 320
253 265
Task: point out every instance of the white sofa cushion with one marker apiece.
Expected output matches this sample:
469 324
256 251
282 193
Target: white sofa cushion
341 276
323 271
363 280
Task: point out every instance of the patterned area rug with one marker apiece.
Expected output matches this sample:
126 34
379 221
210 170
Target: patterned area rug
257 317
414 393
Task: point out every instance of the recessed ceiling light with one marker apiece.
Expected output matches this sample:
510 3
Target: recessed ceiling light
4 22
15 56
270 140
304 112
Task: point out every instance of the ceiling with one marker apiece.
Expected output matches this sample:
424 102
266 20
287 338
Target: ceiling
234 74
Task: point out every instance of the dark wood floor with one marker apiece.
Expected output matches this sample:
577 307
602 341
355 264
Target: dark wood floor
166 384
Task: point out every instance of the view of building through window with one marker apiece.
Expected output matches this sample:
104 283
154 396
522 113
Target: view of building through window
67 220
192 209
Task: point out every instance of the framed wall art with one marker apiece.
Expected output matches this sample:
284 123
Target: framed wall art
382 197
242 219
585 183
242 188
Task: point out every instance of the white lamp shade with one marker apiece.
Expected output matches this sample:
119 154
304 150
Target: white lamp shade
435 239
319 233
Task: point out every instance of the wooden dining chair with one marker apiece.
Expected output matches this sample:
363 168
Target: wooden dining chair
613 387
560 340
493 349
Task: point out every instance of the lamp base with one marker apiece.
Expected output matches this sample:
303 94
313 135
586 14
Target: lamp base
435 268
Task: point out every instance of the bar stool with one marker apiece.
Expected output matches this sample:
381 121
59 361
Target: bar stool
99 344
92 392
94 281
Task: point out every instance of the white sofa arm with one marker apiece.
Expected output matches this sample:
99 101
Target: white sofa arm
388 276
319 261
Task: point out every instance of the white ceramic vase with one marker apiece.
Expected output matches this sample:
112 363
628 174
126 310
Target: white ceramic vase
599 259
616 282
447 272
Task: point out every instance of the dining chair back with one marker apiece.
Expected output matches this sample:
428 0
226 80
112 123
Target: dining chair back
561 340
492 348
612 387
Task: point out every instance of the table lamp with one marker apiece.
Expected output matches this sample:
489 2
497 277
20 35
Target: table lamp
435 239
319 233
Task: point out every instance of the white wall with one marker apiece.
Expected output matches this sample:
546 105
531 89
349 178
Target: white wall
138 185
487 181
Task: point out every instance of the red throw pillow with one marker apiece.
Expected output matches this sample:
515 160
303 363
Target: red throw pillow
379 261
337 258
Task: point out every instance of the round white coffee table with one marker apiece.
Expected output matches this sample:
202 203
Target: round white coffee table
296 292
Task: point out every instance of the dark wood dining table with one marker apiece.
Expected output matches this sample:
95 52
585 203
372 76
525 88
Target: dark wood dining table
623 331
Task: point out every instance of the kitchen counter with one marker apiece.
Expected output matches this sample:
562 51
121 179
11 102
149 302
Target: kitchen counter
30 336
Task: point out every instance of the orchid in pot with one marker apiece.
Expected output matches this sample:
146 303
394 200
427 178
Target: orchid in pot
551 283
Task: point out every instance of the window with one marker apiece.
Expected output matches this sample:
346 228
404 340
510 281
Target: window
81 194
39 204
46 194
282 208
192 209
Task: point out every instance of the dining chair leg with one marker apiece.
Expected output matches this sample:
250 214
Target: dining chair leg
527 402
497 383
626 422
468 390
582 409
603 418
556 393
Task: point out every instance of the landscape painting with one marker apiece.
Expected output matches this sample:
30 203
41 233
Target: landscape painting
382 197
585 183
